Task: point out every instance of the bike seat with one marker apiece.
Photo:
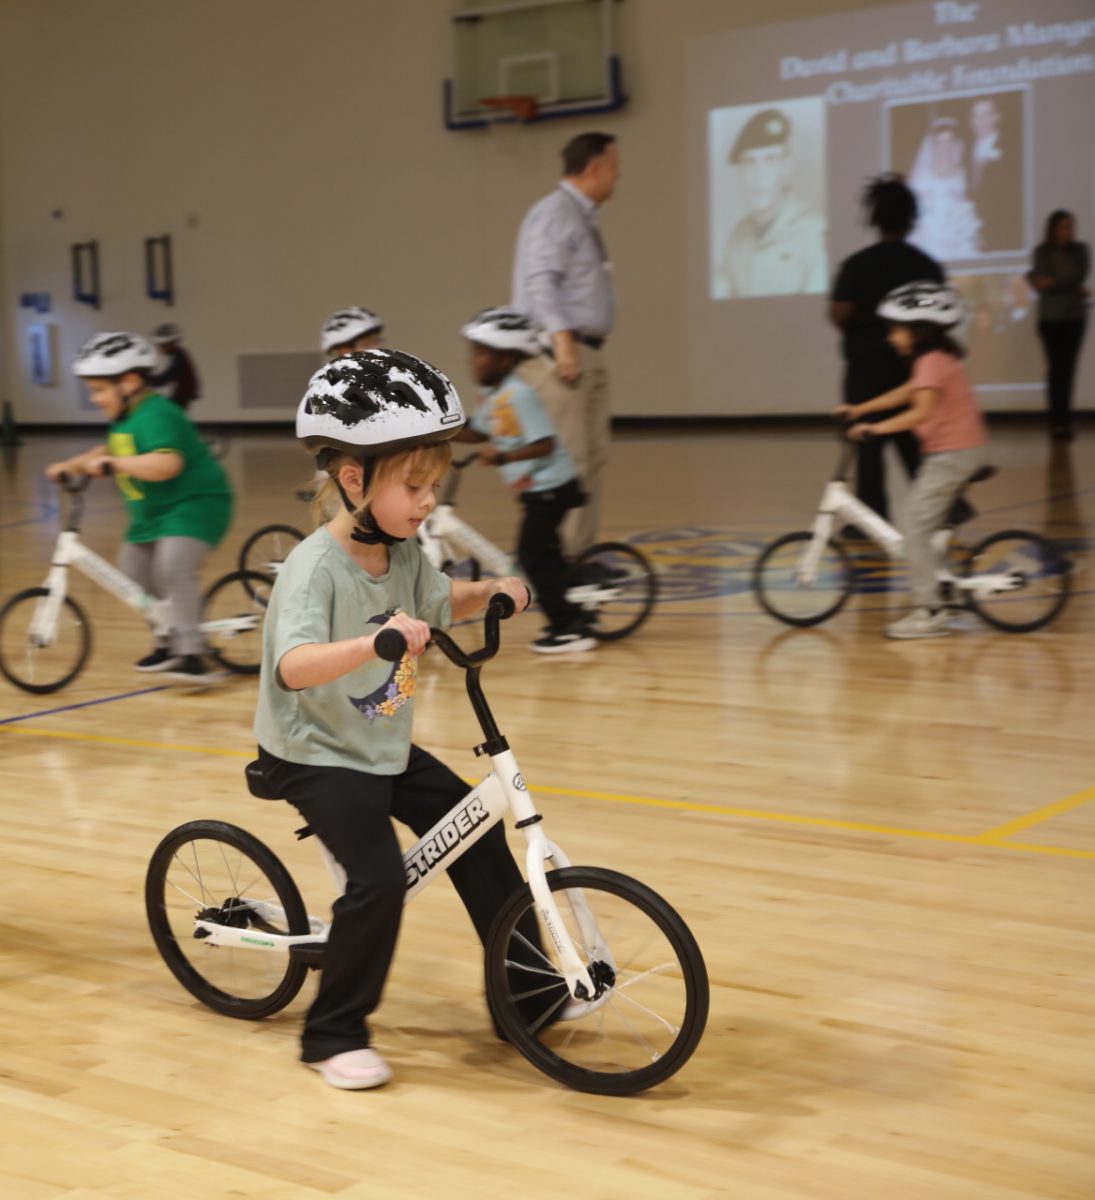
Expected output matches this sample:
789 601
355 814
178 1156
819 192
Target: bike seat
981 475
257 783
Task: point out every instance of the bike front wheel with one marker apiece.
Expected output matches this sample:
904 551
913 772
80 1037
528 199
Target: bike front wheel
37 663
267 548
222 874
653 994
792 590
1027 581
232 615
616 587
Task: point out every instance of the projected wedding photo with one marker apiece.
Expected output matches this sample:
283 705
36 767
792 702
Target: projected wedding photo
964 157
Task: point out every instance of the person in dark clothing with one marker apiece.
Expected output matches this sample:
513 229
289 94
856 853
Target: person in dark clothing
872 366
1060 267
179 378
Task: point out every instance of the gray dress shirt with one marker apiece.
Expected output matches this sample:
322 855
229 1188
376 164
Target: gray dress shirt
561 274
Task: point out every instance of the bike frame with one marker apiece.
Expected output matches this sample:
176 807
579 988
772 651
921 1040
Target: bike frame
502 791
839 506
69 551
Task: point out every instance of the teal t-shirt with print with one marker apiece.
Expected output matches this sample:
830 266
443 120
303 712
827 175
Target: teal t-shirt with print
512 415
362 720
196 503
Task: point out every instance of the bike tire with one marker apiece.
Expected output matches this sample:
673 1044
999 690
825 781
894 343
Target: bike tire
283 539
769 593
206 974
616 1045
1057 579
245 595
638 593
22 674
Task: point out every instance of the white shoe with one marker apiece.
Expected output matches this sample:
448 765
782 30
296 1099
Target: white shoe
354 1070
920 623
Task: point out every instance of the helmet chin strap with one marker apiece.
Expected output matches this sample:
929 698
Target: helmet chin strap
368 531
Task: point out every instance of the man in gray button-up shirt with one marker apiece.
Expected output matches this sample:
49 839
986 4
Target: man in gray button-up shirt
562 278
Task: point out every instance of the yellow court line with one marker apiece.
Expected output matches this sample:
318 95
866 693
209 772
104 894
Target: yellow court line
1020 824
756 814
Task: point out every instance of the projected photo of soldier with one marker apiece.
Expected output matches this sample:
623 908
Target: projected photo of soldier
778 247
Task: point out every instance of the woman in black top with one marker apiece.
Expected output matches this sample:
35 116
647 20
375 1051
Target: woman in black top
872 366
1060 267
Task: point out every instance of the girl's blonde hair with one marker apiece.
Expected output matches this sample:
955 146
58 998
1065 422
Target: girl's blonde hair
414 466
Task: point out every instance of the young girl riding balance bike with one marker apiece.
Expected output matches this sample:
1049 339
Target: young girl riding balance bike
941 408
334 720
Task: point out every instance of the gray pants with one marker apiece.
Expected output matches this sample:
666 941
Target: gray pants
169 569
939 480
581 414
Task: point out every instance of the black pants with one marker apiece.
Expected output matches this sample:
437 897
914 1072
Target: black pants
864 381
351 813
540 551
1061 340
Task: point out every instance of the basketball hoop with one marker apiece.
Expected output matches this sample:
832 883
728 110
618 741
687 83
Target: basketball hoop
524 108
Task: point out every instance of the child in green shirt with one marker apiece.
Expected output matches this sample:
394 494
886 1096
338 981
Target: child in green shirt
178 496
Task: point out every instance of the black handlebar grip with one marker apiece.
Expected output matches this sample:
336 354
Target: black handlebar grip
502 604
390 645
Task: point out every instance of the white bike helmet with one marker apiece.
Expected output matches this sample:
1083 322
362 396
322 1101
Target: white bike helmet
347 325
928 301
377 402
162 335
505 329
108 355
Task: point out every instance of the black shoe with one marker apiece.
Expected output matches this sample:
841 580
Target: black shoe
161 659
193 669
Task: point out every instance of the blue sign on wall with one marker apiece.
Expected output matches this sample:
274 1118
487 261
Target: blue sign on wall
41 302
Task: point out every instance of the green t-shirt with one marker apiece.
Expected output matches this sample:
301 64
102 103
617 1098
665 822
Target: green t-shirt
197 503
362 720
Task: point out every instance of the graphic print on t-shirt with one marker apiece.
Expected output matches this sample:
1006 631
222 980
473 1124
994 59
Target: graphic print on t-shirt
396 690
122 445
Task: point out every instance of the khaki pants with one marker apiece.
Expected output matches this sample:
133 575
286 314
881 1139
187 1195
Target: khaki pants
580 413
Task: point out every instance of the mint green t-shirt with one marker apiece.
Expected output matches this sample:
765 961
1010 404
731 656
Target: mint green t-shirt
197 502
362 720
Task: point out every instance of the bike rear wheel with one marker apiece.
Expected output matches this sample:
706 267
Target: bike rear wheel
1041 580
232 615
788 594
267 548
616 586
653 997
224 875
34 667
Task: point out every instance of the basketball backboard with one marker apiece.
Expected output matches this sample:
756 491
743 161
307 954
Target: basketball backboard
557 51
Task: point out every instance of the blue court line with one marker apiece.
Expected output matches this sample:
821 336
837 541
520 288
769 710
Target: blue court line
49 712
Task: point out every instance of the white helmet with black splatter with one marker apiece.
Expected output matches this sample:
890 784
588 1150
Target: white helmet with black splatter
927 301
347 325
109 355
505 329
371 404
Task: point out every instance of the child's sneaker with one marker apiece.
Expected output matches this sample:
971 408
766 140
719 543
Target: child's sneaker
193 669
354 1070
161 659
564 641
920 623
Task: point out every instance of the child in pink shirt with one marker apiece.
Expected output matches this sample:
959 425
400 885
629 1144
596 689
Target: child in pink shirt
940 407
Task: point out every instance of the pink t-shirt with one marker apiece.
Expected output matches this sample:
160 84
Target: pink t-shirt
957 422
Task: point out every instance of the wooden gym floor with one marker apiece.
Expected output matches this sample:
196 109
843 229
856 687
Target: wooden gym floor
885 850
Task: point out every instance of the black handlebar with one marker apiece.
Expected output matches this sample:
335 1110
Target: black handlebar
391 645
